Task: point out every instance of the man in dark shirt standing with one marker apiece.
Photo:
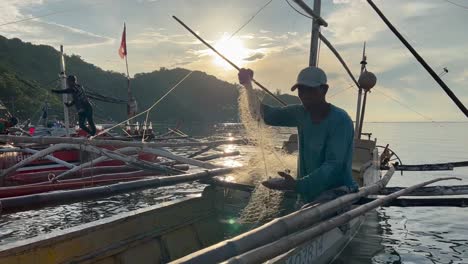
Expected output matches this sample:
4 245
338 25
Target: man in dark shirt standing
82 104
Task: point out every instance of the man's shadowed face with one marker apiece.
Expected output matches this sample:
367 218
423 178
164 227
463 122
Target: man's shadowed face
312 96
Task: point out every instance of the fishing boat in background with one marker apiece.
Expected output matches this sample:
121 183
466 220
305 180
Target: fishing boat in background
206 228
42 170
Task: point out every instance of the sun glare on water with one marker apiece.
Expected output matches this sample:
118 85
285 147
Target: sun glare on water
231 48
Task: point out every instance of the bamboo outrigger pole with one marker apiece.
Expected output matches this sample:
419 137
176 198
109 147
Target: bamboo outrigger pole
131 161
61 197
269 251
280 227
420 59
114 143
227 60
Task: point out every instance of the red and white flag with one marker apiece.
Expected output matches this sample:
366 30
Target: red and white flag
123 45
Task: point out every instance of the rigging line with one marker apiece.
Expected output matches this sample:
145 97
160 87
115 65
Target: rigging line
49 14
248 21
147 110
342 90
457 4
299 12
36 17
406 106
185 77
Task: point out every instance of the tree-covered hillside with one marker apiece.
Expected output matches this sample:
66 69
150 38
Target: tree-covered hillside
28 72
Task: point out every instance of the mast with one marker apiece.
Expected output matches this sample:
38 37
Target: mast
63 79
357 133
315 35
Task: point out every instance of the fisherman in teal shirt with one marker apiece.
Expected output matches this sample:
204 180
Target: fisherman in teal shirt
325 139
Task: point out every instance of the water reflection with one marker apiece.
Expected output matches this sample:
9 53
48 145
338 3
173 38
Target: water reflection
403 235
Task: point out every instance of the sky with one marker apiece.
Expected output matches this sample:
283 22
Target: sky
275 44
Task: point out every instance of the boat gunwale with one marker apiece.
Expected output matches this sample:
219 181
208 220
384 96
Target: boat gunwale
76 231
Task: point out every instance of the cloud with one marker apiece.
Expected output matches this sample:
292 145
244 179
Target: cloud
41 32
254 57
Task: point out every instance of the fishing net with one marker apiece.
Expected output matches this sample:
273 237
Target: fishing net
266 160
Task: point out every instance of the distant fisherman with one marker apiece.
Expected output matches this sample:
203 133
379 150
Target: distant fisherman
82 104
325 138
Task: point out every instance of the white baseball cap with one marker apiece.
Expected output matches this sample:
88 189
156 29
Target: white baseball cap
310 77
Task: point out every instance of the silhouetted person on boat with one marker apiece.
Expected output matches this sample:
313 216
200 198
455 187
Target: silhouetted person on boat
325 135
6 123
82 104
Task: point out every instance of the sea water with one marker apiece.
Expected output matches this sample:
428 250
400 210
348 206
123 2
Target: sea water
390 234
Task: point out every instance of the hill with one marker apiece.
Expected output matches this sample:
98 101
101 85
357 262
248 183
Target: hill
28 72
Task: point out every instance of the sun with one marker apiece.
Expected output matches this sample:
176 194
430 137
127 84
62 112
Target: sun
231 48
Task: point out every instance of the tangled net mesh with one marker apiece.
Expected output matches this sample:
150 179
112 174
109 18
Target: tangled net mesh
265 162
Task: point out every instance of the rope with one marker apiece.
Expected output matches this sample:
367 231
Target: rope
147 110
36 17
337 93
185 77
248 21
299 12
49 14
457 4
406 106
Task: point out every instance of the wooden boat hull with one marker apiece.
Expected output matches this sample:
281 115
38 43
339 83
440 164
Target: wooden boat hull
156 234
167 232
160 234
323 249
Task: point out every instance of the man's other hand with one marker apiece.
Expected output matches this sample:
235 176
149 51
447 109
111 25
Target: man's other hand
285 183
245 76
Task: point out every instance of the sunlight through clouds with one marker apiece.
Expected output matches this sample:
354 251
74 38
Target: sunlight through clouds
275 43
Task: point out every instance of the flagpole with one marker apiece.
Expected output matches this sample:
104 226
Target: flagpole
129 91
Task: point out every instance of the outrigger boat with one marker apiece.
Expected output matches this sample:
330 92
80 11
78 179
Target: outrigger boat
40 171
204 228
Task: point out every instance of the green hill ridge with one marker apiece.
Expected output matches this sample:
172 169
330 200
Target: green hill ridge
28 72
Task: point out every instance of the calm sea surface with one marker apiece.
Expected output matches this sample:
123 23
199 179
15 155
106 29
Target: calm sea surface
390 235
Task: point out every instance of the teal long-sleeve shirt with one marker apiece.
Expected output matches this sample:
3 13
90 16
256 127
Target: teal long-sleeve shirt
325 148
